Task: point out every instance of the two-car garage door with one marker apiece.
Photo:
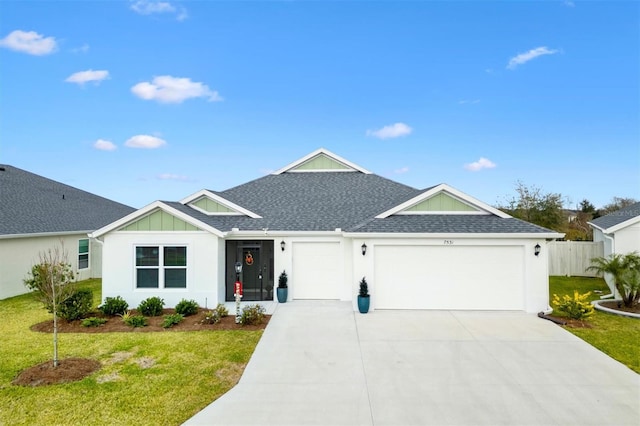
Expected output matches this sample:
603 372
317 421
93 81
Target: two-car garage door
449 277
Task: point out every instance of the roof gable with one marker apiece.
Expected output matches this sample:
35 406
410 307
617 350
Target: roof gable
321 160
159 220
212 204
618 219
442 199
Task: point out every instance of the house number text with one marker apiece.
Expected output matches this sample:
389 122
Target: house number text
448 242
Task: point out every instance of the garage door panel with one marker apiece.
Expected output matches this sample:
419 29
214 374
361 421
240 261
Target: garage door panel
317 270
460 277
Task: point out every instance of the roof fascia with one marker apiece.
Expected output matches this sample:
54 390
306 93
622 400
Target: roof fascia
494 235
329 154
443 187
218 199
149 208
43 234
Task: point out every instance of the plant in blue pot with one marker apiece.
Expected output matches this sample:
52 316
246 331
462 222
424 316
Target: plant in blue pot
282 290
363 297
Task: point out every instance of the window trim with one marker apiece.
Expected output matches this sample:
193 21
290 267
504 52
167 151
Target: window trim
160 267
88 254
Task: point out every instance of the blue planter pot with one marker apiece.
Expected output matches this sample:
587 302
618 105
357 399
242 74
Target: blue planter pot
363 304
282 293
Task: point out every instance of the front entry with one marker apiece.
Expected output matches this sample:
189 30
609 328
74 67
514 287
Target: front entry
257 269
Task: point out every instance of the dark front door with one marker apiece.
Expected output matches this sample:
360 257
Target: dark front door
257 269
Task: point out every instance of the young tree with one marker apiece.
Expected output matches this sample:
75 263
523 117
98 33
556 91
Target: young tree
51 282
534 206
625 272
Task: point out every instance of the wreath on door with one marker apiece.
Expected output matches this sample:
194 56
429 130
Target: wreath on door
248 258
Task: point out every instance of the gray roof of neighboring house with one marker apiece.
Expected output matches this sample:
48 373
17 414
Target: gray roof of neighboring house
32 204
346 200
617 217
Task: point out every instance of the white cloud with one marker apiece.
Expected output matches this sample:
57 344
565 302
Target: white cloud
146 7
401 170
569 3
523 58
83 77
82 49
104 145
469 101
482 163
29 42
171 176
168 89
145 141
392 131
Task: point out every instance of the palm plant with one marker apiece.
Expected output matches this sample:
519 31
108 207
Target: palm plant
625 272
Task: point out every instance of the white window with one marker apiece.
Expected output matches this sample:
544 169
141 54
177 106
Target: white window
161 267
83 253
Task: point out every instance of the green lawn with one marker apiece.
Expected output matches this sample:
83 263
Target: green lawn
614 335
190 369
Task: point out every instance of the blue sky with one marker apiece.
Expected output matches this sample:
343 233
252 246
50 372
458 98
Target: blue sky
138 100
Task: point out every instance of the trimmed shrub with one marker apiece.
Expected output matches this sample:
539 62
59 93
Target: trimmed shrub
78 305
93 322
187 307
113 306
171 320
151 307
252 315
576 307
134 320
214 316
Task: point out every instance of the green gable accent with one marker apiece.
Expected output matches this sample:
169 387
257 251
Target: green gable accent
159 221
441 203
322 162
211 206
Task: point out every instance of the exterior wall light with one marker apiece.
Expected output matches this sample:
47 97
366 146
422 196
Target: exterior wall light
282 244
364 248
536 249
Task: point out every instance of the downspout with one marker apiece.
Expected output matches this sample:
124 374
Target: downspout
613 250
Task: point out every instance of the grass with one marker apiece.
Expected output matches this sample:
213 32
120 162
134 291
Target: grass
614 335
190 369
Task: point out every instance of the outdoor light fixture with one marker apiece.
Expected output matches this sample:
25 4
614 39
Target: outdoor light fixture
238 267
364 248
282 244
536 249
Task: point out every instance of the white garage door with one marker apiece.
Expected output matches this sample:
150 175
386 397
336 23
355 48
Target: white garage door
317 271
449 277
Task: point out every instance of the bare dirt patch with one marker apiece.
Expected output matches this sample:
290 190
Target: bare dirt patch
74 369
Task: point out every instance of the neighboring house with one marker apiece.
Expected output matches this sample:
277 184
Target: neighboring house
37 214
328 222
619 231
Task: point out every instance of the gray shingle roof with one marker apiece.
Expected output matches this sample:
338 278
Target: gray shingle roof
346 200
30 204
617 217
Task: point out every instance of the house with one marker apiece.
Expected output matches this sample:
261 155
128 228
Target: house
328 222
619 232
37 214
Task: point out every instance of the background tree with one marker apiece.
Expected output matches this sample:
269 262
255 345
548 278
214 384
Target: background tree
51 282
532 205
616 203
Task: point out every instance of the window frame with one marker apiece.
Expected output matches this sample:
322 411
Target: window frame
82 254
161 266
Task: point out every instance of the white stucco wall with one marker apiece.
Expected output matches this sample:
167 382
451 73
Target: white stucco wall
628 239
205 263
18 255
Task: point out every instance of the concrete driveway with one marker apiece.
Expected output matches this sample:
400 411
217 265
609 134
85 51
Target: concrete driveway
319 363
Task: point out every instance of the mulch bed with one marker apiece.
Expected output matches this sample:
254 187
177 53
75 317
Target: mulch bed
614 305
74 369
115 324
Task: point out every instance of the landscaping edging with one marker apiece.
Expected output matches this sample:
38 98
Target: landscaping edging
596 304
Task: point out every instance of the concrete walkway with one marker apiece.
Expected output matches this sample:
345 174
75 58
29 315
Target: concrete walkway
319 363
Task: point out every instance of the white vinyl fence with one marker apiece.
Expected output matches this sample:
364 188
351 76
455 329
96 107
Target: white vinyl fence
572 258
